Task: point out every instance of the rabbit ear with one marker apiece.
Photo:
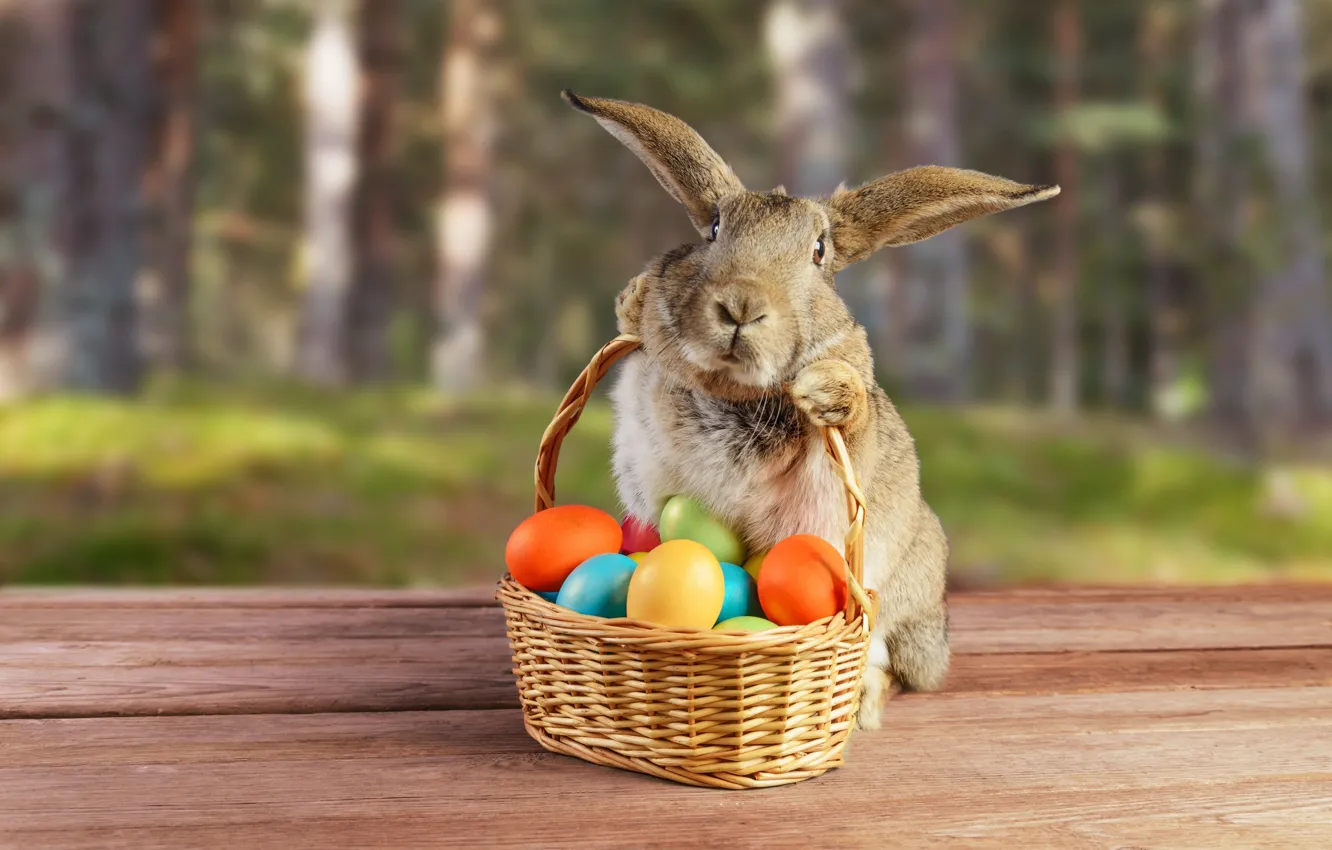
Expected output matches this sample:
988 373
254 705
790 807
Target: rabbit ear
917 203
677 156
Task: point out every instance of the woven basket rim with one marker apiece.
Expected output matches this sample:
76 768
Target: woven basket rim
627 632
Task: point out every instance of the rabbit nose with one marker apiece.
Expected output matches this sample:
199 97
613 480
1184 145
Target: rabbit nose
738 309
738 318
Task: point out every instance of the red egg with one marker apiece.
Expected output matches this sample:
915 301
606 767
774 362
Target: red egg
548 545
803 579
639 536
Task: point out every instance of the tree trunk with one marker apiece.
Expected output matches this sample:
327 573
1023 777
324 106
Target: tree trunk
169 186
810 49
330 173
464 223
109 52
1271 353
1064 352
373 209
1164 318
1021 343
1292 365
20 275
1114 293
935 285
1220 187
71 267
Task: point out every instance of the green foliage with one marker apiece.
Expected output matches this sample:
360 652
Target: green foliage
283 484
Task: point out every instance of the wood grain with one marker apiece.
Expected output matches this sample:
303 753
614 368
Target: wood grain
1230 816
277 737
1179 769
1051 625
482 594
129 661
246 597
1271 592
978 625
244 626
183 677
284 688
274 737
1123 672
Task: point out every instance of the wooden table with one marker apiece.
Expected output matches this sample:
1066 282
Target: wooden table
1089 718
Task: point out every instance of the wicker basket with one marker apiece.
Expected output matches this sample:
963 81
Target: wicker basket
721 710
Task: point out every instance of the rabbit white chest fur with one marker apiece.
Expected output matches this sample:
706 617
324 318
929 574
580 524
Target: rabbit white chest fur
751 467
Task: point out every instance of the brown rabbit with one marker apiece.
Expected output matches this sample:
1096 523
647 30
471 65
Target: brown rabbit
748 350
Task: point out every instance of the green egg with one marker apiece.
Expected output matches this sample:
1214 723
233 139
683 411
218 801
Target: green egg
744 624
685 518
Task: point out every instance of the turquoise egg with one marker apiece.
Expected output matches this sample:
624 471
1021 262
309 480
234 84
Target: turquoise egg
741 597
598 587
548 595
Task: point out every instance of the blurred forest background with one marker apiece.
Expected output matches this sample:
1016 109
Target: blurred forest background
289 288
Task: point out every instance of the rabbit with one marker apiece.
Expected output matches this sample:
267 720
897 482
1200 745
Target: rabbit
748 352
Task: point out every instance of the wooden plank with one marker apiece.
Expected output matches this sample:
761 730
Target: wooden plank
1273 592
483 595
285 688
1100 672
184 740
1181 769
128 661
254 660
1057 625
406 734
247 597
182 677
245 625
1050 625
1234 816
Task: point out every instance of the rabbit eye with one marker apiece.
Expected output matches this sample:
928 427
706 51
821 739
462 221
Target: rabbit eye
818 250
716 226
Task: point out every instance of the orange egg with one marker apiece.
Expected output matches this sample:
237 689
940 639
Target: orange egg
803 579
548 545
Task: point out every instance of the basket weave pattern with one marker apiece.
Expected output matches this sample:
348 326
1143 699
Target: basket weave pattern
723 710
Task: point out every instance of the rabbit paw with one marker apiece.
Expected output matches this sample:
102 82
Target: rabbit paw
830 392
629 306
877 688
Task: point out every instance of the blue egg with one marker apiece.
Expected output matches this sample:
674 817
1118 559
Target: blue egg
741 597
599 587
548 595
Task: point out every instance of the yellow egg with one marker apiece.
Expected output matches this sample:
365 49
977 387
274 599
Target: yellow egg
679 584
754 563
637 557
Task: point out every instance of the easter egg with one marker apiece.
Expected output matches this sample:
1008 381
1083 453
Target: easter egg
685 518
803 579
744 624
637 557
598 587
549 544
548 595
679 584
741 594
639 536
752 565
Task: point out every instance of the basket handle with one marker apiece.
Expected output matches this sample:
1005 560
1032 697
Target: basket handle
576 400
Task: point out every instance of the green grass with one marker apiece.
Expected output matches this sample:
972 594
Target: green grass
203 485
